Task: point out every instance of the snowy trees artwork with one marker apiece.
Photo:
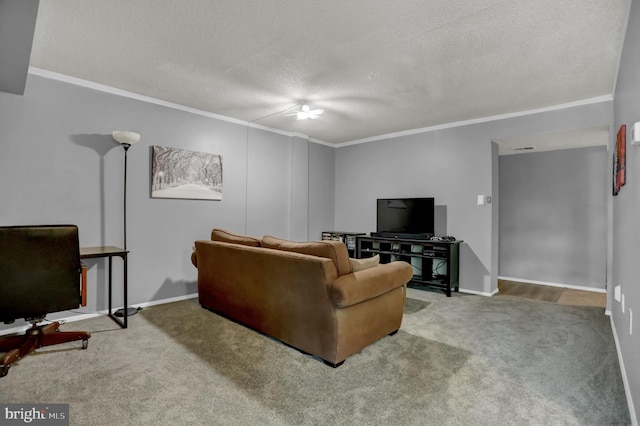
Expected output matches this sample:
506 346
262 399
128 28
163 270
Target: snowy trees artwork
180 173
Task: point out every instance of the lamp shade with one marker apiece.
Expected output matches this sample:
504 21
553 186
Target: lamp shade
126 138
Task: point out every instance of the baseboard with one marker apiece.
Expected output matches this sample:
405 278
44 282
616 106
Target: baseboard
479 293
163 301
623 371
574 287
81 317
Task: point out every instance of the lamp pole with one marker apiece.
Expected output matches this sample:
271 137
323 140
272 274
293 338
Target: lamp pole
126 139
126 148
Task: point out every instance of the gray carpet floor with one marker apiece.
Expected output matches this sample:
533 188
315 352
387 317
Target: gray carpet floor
464 360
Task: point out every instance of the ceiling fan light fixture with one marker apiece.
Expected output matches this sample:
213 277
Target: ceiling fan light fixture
305 113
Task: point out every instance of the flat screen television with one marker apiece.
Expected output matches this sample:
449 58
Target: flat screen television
405 217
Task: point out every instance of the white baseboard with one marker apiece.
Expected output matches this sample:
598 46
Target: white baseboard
625 381
163 301
80 317
478 293
574 287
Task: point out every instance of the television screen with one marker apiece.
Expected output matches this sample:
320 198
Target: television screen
405 216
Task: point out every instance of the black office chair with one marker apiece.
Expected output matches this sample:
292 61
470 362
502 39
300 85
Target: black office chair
40 273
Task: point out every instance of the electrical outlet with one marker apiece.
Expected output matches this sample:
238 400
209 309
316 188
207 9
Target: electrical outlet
617 291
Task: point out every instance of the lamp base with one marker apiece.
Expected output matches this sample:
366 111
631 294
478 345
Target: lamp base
130 311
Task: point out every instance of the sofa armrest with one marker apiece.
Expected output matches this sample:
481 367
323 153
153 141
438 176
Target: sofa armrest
194 257
363 285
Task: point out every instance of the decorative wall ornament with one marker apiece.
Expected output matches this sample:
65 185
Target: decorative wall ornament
620 160
180 173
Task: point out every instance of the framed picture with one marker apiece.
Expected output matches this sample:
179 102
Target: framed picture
180 173
620 160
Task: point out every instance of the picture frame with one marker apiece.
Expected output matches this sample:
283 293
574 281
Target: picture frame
185 174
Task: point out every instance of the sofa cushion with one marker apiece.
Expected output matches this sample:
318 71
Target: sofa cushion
228 237
361 264
334 250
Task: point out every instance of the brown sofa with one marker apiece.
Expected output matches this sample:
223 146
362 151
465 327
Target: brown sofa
303 294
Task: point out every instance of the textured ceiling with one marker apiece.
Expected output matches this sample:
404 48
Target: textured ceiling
375 67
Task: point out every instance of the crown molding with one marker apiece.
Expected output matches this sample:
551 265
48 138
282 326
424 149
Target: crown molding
112 90
131 95
599 99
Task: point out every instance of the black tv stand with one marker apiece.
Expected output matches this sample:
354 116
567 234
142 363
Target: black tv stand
403 235
435 263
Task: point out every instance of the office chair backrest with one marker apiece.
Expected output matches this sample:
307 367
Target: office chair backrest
39 270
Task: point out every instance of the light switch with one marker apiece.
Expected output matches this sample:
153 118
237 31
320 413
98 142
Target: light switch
635 133
482 200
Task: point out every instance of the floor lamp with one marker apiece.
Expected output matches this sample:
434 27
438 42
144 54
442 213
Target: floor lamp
126 139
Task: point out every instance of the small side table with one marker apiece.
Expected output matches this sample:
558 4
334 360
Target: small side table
110 252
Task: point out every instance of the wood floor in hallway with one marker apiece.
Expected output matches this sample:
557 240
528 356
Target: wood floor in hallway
560 295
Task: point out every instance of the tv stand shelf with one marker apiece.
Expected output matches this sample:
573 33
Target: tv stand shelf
348 238
435 263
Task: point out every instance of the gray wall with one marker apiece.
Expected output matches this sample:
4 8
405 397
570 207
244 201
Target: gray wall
495 211
300 190
553 216
423 165
268 184
17 22
626 228
59 164
322 183
454 165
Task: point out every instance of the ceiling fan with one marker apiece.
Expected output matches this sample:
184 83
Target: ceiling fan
306 113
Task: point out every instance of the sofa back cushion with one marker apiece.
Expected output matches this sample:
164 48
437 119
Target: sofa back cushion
228 237
334 250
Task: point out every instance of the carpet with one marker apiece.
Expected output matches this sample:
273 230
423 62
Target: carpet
413 306
464 360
